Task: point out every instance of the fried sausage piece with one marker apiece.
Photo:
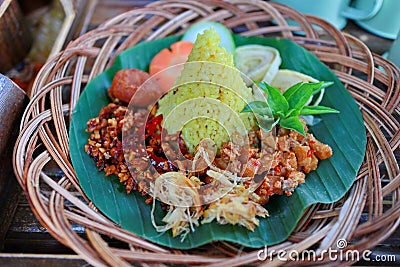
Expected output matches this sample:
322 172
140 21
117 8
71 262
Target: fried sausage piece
126 82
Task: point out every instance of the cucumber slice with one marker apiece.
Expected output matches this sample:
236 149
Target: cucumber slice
224 33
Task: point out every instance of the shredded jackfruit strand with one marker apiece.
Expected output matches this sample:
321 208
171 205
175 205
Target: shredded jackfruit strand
235 208
178 219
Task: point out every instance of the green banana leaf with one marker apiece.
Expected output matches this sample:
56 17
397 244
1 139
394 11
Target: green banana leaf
344 132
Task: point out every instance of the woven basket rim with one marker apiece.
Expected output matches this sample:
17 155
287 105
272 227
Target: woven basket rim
377 93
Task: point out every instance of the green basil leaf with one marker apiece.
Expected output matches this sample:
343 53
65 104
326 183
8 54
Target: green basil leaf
313 110
292 89
322 86
293 123
276 101
299 97
258 107
266 123
318 86
292 112
281 114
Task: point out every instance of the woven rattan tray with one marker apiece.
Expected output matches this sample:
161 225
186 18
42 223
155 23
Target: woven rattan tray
59 202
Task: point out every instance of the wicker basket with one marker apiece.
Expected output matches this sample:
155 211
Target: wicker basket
59 202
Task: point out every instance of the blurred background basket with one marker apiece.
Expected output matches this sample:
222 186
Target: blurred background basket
367 215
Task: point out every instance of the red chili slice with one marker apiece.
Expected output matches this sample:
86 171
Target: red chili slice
277 169
153 126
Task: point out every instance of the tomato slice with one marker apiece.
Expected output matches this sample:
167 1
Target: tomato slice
177 54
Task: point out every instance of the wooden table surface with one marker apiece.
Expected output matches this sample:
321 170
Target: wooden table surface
24 242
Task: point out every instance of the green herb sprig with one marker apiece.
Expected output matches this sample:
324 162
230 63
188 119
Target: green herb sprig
285 108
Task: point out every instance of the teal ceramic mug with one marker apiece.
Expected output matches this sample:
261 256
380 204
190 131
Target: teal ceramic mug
385 23
394 52
335 12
